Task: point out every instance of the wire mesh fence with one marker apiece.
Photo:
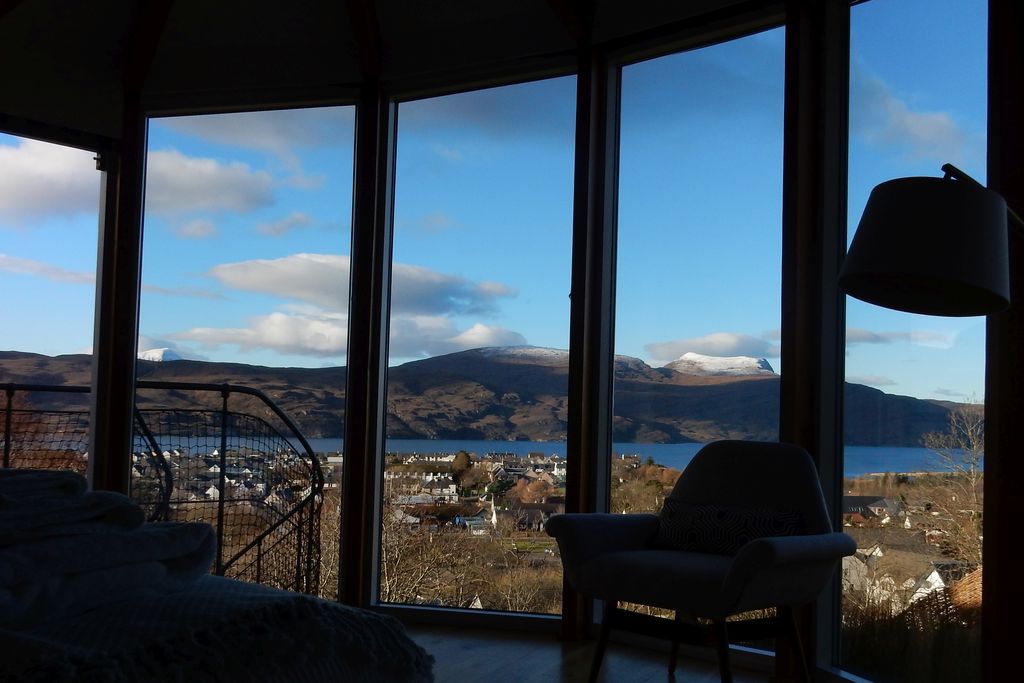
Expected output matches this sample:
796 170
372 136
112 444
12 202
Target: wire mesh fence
55 438
253 477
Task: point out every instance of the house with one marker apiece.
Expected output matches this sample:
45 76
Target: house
525 516
891 577
89 78
501 473
476 521
431 457
442 489
861 510
413 499
401 517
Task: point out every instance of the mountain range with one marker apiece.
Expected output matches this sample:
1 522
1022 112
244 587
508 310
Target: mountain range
516 393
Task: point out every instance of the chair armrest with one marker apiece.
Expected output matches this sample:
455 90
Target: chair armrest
793 568
584 535
780 550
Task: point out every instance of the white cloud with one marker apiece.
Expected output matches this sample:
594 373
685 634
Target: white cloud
856 335
872 380
146 343
22 266
489 288
182 291
716 344
438 221
293 221
39 180
539 108
177 184
313 321
430 224
949 393
938 340
446 152
198 229
322 335
931 338
421 290
322 279
278 132
301 180
418 336
486 335
886 121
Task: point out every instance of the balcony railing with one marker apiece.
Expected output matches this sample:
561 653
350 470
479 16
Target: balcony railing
231 458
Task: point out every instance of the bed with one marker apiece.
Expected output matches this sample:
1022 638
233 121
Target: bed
90 593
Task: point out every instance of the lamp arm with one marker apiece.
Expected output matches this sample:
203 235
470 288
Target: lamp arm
955 173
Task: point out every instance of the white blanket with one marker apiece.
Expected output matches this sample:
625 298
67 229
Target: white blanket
21 484
53 577
63 551
63 515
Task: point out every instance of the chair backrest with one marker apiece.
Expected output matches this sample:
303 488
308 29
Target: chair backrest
756 475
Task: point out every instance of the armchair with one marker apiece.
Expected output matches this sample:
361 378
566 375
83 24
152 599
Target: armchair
744 529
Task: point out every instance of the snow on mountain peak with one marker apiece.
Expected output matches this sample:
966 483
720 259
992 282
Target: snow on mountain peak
691 363
160 355
534 353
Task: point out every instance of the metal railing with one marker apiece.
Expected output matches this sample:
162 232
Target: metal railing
232 459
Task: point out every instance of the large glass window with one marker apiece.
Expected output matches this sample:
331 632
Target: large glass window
914 427
699 260
49 205
245 282
478 378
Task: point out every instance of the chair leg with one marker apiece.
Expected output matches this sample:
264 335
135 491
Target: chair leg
674 657
788 614
722 645
602 641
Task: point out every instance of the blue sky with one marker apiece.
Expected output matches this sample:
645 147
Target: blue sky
247 224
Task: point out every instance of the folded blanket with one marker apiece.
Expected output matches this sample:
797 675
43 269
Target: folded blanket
60 596
187 548
22 484
53 578
26 520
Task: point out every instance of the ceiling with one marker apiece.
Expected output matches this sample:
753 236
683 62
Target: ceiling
69 63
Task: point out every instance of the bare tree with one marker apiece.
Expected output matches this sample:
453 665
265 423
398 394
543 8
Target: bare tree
954 498
330 541
514 576
526 491
642 488
424 563
474 479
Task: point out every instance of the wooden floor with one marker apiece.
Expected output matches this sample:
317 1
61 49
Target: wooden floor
493 656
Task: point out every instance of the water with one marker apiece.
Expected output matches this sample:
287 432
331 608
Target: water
859 460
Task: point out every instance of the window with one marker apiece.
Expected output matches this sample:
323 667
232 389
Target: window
49 205
914 424
478 378
699 260
245 279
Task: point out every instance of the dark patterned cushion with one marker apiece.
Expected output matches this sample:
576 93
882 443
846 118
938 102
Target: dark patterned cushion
719 529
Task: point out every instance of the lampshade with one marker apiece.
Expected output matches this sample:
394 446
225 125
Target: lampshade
931 245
